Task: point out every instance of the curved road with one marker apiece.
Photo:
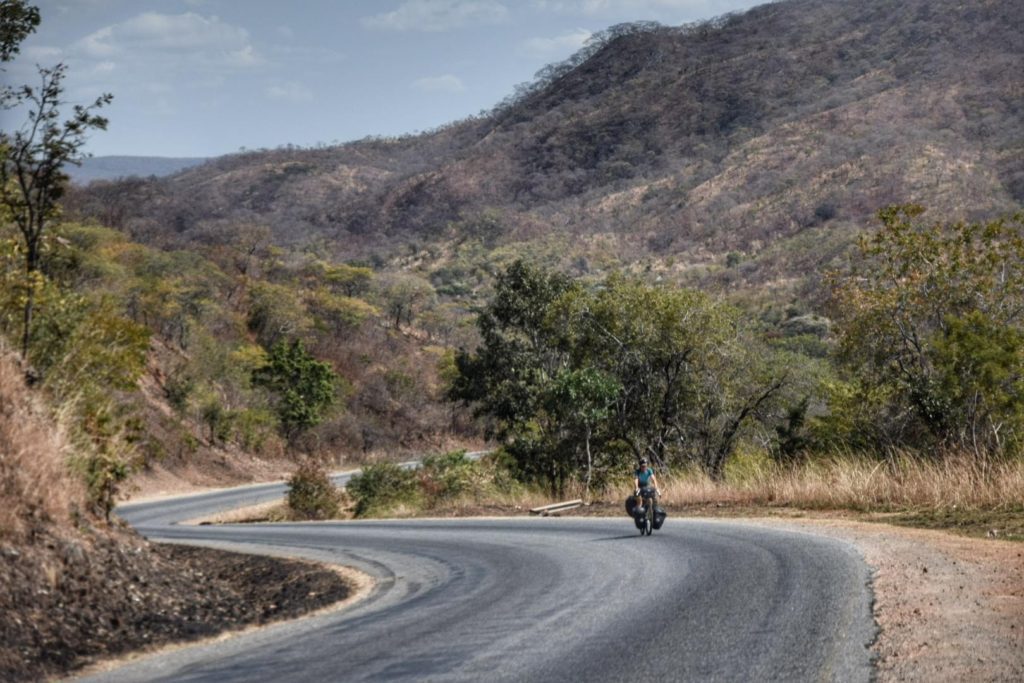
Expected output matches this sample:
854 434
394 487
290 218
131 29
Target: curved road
539 599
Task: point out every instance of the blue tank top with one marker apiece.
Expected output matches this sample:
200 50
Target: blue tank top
643 476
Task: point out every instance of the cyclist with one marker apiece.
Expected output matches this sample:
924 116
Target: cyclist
643 478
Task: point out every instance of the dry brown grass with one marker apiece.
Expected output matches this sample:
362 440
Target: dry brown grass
858 483
35 485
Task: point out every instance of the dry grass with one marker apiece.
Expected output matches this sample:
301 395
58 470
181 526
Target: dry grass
35 485
858 483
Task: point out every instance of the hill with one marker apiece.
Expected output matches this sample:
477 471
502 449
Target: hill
117 167
742 151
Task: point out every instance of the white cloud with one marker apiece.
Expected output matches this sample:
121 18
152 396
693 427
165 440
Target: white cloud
206 38
557 47
443 84
42 54
244 57
290 92
438 15
310 54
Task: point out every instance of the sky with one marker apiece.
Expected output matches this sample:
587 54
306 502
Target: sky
209 77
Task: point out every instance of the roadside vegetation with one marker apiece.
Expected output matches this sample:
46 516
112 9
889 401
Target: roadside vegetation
908 399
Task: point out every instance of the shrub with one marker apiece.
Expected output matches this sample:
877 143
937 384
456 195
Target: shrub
382 486
311 495
447 476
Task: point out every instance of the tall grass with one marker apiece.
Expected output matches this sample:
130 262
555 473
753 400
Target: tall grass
35 485
900 482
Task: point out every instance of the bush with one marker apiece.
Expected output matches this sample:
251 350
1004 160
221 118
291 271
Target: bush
447 476
311 495
383 486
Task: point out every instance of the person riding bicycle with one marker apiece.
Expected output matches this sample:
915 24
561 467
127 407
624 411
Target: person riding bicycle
643 478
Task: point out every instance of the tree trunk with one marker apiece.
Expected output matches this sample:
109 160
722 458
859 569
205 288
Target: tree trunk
590 467
26 334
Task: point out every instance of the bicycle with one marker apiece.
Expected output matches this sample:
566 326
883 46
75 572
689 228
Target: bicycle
646 522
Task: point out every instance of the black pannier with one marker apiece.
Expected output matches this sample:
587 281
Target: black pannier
659 517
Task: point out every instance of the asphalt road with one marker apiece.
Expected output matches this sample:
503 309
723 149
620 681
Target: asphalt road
540 599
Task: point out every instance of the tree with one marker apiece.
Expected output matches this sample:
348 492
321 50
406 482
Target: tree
305 387
17 21
692 374
404 295
509 377
625 367
582 400
930 326
31 173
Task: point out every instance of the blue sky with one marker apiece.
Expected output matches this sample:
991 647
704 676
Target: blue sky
208 77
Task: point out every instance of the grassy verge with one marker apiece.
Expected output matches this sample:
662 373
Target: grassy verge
982 499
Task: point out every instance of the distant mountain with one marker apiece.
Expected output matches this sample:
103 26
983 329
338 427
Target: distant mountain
116 167
745 151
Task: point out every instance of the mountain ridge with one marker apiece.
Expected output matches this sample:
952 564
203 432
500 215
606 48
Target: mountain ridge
793 121
115 167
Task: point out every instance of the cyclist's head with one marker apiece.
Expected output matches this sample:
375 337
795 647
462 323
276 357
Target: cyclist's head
643 462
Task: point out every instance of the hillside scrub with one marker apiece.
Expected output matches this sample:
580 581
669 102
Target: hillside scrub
682 144
311 494
445 483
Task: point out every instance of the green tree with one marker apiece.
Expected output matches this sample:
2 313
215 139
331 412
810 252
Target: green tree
509 376
581 400
692 374
18 19
305 387
32 177
626 367
929 323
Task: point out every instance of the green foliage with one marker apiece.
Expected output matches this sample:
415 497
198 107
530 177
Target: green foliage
381 486
339 314
177 390
18 19
305 387
578 380
351 280
254 429
32 158
103 472
311 494
447 476
930 325
276 312
217 420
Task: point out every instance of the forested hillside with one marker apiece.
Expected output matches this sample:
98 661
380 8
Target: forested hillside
720 153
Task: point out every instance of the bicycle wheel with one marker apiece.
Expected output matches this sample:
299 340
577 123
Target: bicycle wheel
649 518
